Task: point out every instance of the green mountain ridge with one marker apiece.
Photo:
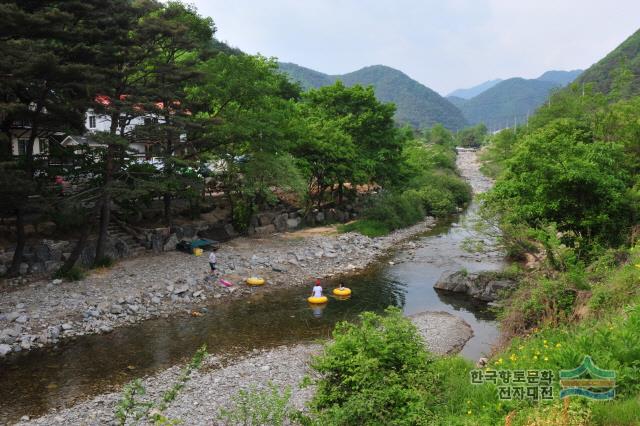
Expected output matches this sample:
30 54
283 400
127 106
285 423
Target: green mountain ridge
416 104
508 102
603 74
562 78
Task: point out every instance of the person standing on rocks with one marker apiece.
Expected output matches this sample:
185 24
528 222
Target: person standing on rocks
213 260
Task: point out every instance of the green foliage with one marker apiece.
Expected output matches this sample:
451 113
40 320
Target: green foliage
624 412
131 408
559 174
370 228
497 151
375 372
603 74
416 104
430 186
255 407
128 407
104 262
394 211
75 273
472 137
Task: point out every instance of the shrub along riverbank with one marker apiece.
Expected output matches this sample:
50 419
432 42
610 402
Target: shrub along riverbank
430 186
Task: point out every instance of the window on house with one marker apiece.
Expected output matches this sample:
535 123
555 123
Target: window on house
92 121
43 145
22 146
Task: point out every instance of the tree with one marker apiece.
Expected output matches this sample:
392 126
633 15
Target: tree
560 174
181 39
48 69
247 125
370 125
122 63
326 154
472 137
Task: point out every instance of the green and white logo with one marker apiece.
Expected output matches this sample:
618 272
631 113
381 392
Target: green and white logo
600 384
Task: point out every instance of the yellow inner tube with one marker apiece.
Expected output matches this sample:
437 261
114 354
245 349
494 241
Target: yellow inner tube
255 281
344 292
318 300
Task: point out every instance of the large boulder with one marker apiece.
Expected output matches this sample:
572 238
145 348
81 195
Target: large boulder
171 242
265 218
280 222
485 286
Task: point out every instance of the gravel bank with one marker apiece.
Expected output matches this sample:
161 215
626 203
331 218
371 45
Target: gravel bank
43 313
212 388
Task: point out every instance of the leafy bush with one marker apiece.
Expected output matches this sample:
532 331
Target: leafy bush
370 228
375 372
74 274
255 407
395 210
105 262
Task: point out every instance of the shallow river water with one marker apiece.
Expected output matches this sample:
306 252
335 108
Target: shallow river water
40 380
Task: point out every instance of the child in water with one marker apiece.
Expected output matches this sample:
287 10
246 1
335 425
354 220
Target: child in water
317 289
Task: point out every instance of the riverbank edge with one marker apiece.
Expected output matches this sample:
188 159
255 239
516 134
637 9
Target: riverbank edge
70 328
220 378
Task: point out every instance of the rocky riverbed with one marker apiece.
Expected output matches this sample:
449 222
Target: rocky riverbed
46 312
214 385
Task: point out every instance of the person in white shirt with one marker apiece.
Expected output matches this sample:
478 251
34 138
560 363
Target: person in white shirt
317 290
212 260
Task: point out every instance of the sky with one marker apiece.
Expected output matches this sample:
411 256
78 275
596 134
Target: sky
445 45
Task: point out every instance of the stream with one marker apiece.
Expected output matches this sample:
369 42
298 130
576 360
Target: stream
38 381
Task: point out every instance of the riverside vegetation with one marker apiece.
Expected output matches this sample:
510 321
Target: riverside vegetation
565 198
215 119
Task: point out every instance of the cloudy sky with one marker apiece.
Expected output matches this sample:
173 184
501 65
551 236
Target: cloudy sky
444 44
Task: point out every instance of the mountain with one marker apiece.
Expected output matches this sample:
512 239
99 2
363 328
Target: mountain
416 104
508 101
308 78
473 91
457 101
603 73
561 78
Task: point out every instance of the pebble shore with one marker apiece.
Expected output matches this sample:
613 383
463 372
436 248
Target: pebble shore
217 382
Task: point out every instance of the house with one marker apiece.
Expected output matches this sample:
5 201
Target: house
20 133
96 122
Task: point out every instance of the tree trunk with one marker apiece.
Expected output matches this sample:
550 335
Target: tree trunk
105 202
77 250
14 269
169 173
167 209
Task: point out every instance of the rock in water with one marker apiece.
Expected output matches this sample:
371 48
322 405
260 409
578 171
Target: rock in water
485 286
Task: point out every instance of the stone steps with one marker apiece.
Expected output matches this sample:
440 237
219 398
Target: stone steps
135 248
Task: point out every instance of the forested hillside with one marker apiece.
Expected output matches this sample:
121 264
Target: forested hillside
507 102
308 78
416 104
621 64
